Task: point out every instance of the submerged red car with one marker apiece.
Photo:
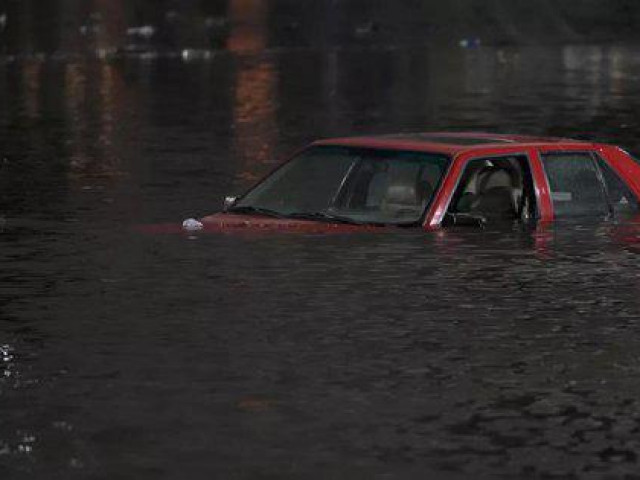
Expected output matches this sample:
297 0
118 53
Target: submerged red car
434 180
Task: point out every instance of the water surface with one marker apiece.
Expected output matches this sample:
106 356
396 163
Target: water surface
467 353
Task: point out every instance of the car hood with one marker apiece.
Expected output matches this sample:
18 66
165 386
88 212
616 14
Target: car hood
229 222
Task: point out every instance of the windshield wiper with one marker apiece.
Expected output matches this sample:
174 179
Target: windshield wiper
323 216
259 210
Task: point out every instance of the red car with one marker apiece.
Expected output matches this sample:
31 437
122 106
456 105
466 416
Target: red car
434 180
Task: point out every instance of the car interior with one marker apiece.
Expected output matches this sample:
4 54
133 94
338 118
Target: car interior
493 190
395 189
406 192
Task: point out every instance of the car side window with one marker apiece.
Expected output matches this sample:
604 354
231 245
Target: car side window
493 189
575 184
622 200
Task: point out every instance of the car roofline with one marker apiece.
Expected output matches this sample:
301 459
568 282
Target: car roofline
502 141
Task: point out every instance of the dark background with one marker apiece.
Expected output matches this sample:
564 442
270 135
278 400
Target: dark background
462 354
77 26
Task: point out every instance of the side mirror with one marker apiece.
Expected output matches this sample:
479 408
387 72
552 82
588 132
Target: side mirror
229 202
466 219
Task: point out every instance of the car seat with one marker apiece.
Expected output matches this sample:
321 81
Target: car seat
405 196
495 194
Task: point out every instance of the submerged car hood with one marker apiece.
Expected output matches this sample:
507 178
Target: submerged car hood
232 221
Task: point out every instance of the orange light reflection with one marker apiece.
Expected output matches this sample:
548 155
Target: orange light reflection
255 90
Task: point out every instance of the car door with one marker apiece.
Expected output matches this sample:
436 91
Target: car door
581 184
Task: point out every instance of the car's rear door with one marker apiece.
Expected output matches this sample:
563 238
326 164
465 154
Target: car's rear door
582 184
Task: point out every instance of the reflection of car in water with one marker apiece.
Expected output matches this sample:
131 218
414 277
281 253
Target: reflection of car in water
437 180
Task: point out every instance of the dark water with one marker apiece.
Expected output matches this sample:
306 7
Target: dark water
397 355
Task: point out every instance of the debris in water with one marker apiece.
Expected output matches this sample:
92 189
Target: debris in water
366 29
473 42
192 225
189 54
144 31
215 22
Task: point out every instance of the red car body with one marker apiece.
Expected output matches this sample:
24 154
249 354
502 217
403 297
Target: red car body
461 148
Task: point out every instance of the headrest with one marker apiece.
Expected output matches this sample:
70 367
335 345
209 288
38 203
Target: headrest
401 194
491 177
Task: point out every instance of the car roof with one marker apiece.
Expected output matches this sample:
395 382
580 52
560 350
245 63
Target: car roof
453 142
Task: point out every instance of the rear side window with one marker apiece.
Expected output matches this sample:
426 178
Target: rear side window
623 201
576 185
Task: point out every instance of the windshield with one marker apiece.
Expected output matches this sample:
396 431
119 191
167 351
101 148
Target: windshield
350 184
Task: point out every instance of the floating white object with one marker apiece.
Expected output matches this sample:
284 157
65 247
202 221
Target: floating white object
144 31
192 225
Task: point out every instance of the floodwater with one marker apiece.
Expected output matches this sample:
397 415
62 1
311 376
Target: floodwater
376 355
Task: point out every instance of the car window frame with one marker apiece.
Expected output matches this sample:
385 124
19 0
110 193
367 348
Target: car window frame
483 156
597 156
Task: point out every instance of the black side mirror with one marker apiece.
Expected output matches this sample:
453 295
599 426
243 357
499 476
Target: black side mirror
466 220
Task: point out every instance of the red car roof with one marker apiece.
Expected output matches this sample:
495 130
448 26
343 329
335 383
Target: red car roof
452 143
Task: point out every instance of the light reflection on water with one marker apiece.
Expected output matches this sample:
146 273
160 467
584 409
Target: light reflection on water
254 119
6 356
480 352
